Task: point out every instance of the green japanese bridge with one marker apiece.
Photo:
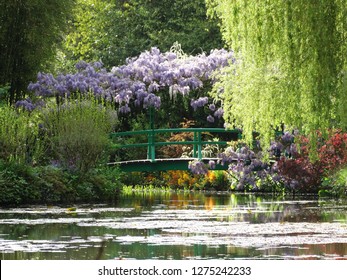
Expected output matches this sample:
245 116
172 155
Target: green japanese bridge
152 163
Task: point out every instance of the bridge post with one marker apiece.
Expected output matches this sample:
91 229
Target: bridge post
151 146
151 136
195 146
199 146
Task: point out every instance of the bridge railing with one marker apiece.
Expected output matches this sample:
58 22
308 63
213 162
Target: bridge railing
197 141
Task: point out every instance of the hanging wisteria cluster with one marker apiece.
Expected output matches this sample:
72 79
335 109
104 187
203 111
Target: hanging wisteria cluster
139 80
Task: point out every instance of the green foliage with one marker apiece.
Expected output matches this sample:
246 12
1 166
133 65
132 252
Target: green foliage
98 185
73 136
335 184
30 32
4 94
291 65
54 185
340 186
106 183
19 136
77 133
17 183
20 183
112 31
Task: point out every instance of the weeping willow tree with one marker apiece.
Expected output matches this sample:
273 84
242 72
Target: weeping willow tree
291 64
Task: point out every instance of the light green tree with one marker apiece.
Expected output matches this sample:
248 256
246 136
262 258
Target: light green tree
291 64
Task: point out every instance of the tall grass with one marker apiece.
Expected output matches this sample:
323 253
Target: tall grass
18 136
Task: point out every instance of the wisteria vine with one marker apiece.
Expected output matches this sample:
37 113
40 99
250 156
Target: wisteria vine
139 80
247 169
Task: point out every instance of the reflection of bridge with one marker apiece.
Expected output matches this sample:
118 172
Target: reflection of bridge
156 164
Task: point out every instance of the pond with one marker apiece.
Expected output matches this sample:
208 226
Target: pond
178 225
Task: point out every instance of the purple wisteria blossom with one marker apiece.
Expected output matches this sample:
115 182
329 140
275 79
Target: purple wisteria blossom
138 81
198 167
219 113
210 119
200 102
247 168
212 164
28 105
287 137
25 104
283 146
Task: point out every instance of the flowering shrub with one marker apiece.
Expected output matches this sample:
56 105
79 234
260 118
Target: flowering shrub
179 179
300 174
216 179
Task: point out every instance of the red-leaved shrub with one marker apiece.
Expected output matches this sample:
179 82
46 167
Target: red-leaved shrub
302 174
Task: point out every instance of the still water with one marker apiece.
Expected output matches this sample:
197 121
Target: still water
173 225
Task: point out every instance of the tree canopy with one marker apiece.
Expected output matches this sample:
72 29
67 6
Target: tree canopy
30 31
291 64
112 31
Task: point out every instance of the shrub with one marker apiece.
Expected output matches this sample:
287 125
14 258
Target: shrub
177 151
332 153
335 184
105 183
18 183
57 185
216 180
300 174
54 184
77 133
339 186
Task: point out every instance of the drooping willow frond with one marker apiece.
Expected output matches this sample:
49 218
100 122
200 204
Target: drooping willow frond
291 64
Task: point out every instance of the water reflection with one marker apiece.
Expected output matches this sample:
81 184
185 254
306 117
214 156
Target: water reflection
179 225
